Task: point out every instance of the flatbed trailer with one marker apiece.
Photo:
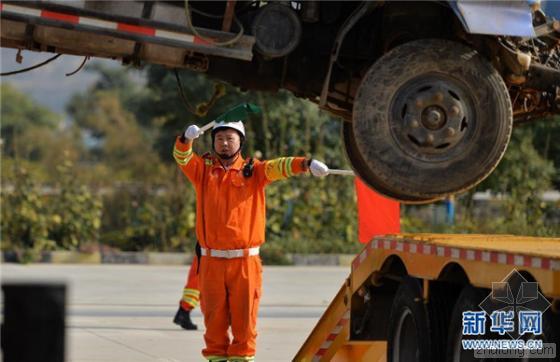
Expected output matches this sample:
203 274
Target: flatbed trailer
404 297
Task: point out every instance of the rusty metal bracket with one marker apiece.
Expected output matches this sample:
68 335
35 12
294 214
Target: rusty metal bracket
362 10
228 15
548 28
135 58
196 61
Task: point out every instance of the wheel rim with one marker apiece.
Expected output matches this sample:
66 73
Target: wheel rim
362 170
405 347
433 118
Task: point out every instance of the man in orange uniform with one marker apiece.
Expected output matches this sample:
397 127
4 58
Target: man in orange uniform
190 299
230 227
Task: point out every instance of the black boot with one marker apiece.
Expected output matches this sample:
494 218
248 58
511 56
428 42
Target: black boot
183 318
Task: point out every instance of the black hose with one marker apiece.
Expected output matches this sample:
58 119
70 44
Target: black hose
189 107
30 68
86 58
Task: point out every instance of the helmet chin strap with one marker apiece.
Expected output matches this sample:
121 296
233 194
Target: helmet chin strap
226 158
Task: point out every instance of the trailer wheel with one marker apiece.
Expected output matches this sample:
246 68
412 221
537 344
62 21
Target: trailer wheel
550 330
361 169
468 300
409 337
431 117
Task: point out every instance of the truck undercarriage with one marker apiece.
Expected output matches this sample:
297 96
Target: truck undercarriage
428 99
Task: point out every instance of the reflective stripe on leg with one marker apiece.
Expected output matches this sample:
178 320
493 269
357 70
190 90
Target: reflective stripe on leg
216 358
241 358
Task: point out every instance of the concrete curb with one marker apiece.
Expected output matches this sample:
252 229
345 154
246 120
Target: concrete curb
74 257
153 258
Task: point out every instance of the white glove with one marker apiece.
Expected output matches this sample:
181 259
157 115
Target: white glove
192 132
318 168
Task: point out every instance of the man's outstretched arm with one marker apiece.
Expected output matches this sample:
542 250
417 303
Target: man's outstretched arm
284 167
188 161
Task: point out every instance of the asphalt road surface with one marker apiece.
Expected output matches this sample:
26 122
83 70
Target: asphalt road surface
124 312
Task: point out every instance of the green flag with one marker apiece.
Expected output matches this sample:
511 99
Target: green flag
241 112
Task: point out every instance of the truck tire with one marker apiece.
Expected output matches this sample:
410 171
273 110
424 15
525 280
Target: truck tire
361 169
408 335
431 118
550 332
468 300
551 327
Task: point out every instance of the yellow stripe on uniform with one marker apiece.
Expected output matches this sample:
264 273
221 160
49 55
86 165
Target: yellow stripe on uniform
273 170
182 157
182 162
190 291
289 166
190 297
279 168
217 358
192 302
182 153
285 167
241 358
191 294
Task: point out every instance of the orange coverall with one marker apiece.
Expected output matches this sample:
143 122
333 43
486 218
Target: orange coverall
191 293
230 212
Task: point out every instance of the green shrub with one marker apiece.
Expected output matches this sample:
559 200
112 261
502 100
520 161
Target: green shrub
25 218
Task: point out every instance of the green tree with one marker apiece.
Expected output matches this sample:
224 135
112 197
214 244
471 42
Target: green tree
522 176
546 132
517 184
21 114
116 139
33 137
76 212
143 218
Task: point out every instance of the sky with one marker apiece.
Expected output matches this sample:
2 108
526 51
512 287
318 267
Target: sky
48 85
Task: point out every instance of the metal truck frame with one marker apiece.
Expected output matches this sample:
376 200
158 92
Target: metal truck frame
405 295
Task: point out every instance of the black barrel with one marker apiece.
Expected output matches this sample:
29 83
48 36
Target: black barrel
34 322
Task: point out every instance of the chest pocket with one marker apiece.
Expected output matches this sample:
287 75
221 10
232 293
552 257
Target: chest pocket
238 180
240 199
242 189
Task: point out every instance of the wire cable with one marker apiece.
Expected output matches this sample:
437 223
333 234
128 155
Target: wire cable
189 107
231 41
86 58
30 68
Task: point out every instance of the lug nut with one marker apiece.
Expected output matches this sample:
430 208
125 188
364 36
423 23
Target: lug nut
430 139
454 110
450 132
438 97
419 103
414 123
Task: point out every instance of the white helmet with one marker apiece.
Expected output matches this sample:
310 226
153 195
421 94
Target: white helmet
237 125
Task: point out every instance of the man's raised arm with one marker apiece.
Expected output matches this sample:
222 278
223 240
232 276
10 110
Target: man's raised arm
189 162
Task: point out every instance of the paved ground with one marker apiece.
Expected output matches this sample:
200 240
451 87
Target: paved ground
124 312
